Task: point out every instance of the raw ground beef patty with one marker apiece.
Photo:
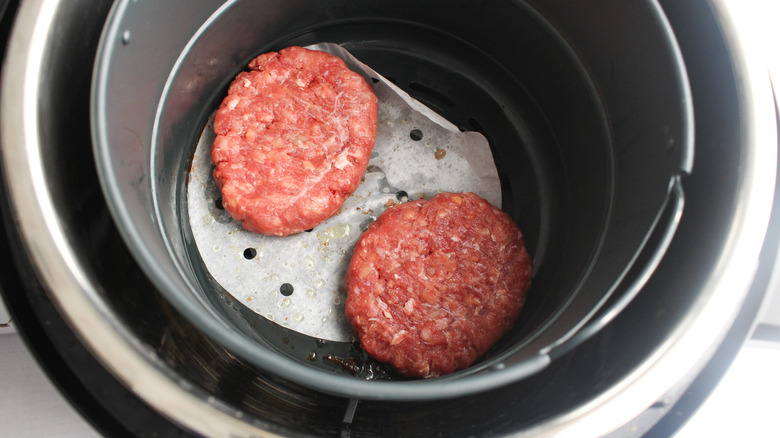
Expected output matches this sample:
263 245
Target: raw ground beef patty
433 285
293 139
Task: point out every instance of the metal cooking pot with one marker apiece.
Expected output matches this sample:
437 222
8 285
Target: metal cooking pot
209 382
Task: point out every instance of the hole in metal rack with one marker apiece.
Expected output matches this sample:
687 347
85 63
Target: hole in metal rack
286 289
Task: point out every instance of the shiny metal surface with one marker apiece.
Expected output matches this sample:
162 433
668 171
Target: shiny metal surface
155 363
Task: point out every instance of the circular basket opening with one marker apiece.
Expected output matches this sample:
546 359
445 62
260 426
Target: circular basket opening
588 127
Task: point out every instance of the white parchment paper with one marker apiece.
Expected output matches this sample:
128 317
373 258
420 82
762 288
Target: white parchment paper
298 281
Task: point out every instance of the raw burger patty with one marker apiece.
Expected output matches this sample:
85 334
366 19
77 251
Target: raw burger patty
294 136
432 285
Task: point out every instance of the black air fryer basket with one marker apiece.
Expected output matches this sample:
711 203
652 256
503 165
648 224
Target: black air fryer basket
585 105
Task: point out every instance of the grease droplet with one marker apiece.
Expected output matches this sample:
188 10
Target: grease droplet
334 232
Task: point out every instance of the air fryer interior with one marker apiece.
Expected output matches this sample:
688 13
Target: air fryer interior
585 107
